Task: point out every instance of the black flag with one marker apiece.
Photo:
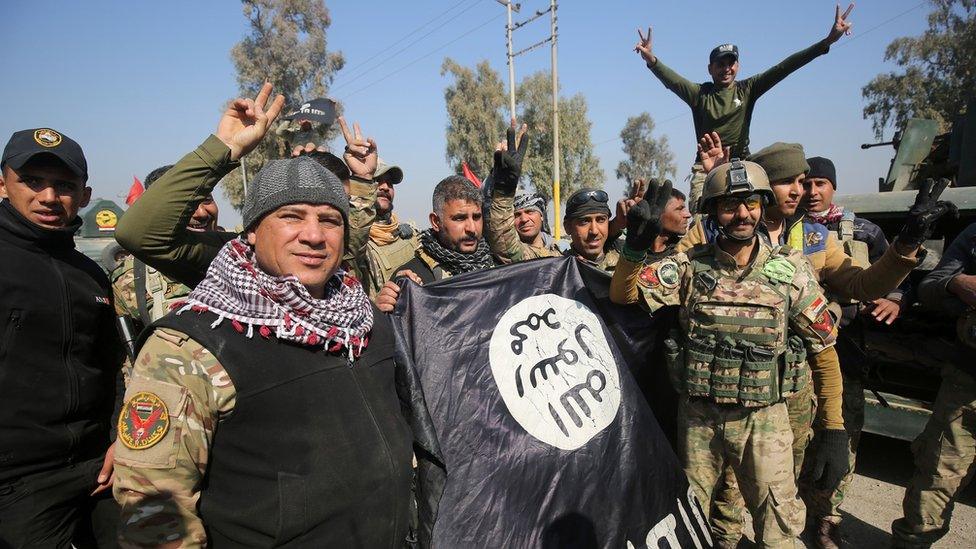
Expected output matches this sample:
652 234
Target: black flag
530 428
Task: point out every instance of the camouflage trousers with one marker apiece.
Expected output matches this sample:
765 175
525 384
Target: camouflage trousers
825 504
697 186
728 504
757 444
944 463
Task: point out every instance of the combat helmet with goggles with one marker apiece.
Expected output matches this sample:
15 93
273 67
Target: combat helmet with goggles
741 181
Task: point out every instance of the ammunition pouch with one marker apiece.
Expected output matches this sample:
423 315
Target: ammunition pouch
795 374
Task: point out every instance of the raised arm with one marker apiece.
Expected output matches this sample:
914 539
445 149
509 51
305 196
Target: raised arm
502 236
681 86
762 82
154 228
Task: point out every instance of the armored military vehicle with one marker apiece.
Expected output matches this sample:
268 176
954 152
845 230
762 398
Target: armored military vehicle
902 372
96 239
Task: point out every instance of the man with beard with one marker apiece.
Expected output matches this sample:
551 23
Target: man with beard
144 294
280 347
783 223
674 220
452 246
391 243
521 236
587 222
725 105
737 355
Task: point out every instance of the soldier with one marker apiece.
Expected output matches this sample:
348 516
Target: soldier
391 243
945 451
725 105
142 293
783 223
865 243
281 348
516 221
59 357
749 316
587 222
674 221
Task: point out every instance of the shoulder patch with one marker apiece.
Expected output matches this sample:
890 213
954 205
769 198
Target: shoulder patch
663 273
144 421
814 237
779 269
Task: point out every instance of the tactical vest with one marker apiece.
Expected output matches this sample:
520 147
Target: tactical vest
855 248
384 260
316 452
737 348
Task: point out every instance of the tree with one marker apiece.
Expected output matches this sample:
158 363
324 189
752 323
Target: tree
647 157
938 70
474 121
578 166
286 46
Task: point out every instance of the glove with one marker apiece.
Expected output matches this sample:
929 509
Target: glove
508 163
925 212
644 218
830 458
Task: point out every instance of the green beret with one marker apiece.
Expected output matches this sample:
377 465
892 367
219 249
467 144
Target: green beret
781 160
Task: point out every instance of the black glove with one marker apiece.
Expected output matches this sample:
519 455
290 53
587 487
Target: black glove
925 212
644 218
508 163
830 458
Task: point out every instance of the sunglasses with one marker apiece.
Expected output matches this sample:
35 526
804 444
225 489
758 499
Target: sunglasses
579 199
729 204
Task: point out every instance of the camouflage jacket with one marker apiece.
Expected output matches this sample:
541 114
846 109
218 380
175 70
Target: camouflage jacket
182 391
382 261
606 263
124 291
504 239
669 283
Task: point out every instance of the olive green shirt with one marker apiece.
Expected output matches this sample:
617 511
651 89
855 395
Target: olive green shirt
153 227
728 111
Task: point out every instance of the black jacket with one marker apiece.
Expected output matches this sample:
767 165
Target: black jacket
59 353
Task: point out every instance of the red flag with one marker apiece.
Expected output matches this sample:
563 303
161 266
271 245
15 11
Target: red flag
135 191
470 175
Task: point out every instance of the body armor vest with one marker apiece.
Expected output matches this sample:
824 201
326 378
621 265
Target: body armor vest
737 348
384 260
855 248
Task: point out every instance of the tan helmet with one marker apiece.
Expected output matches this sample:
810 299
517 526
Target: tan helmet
736 177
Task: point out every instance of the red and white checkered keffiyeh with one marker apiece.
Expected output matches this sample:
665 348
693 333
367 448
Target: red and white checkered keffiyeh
235 288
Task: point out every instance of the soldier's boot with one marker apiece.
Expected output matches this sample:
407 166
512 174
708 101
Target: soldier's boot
826 534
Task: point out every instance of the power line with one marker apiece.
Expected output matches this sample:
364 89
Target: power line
426 55
408 46
881 24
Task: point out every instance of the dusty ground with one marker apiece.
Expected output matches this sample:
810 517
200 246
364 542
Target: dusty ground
883 469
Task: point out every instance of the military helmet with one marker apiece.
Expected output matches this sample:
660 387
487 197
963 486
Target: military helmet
736 177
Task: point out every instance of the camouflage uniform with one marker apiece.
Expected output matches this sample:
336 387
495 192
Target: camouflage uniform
158 486
504 239
733 411
944 456
123 288
698 174
606 263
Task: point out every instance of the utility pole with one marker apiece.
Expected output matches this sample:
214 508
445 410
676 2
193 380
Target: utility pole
555 123
555 87
244 178
509 7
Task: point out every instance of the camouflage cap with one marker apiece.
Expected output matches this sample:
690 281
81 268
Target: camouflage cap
781 160
392 172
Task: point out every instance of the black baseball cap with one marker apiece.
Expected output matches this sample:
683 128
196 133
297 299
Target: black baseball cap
27 144
723 50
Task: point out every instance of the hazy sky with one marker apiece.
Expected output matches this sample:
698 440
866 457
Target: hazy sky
139 84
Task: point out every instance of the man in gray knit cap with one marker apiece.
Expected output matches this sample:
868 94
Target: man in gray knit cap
280 346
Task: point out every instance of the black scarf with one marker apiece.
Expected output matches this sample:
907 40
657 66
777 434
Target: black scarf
456 262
